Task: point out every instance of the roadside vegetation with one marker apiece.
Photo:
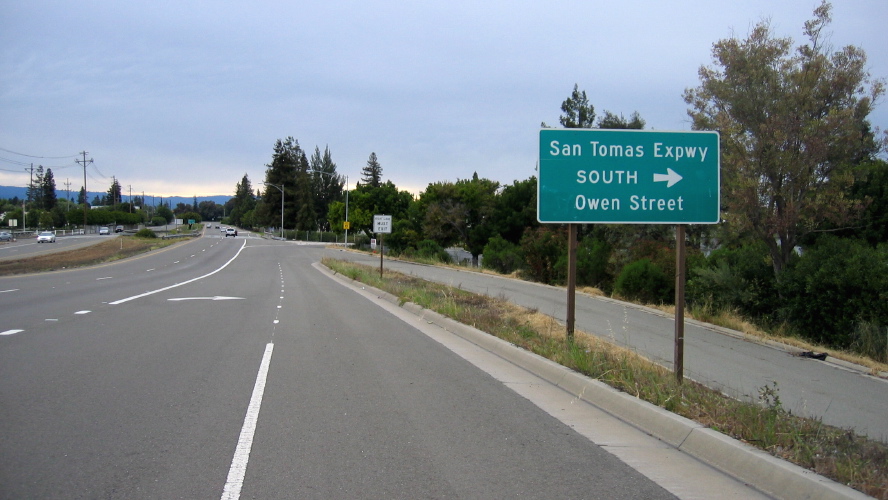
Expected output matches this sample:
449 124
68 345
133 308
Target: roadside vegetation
832 452
110 250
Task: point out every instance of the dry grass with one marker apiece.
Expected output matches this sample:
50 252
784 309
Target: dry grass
835 453
117 248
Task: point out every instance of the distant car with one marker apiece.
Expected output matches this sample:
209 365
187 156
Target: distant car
118 229
230 232
4 236
104 230
46 237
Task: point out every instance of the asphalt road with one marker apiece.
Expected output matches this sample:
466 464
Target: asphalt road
735 365
232 368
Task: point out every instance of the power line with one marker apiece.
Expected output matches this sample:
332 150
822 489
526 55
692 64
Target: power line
43 157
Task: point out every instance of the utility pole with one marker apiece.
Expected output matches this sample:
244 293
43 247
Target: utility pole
84 163
31 183
68 189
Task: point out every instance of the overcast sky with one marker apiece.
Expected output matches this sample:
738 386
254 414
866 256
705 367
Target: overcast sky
181 97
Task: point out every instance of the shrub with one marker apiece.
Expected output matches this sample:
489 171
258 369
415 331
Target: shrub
502 256
833 287
741 279
429 249
145 233
542 249
592 262
158 221
644 281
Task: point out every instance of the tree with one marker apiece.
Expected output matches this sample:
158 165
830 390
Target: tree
48 190
372 172
793 126
81 196
578 113
327 184
460 213
242 203
515 210
612 121
114 193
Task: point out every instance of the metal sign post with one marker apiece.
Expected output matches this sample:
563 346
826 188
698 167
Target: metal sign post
382 224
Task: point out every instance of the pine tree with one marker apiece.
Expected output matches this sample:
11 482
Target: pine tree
578 113
48 189
371 175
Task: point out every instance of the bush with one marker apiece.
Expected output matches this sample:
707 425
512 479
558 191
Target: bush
502 256
543 248
145 233
835 286
592 262
158 221
741 279
429 249
644 281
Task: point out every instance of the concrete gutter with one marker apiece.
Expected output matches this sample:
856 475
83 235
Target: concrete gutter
755 467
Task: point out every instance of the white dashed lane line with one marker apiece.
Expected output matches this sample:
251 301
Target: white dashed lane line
11 332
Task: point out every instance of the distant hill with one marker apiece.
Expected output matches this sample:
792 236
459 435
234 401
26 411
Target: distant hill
9 192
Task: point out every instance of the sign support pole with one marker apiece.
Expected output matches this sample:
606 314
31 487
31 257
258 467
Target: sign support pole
381 251
571 280
679 301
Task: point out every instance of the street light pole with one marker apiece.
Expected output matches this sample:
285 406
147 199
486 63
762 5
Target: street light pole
281 189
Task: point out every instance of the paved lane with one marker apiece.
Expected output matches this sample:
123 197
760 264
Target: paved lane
146 399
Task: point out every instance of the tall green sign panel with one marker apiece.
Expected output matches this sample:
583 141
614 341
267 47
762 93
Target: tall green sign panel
628 177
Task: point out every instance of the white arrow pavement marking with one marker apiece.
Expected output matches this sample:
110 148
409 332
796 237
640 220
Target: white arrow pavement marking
670 178
217 297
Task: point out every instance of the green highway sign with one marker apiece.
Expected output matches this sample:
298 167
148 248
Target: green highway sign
628 177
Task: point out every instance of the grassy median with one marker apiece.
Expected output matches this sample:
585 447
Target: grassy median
839 454
110 250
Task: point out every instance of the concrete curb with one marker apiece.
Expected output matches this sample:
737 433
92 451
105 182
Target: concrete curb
757 468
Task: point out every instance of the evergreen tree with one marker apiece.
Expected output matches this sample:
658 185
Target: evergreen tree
81 196
578 113
114 193
327 183
35 188
243 201
371 175
48 190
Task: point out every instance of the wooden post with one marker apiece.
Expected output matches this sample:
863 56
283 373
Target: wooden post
571 280
679 301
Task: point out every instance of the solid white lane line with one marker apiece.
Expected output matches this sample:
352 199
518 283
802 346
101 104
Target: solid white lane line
11 332
238 469
121 301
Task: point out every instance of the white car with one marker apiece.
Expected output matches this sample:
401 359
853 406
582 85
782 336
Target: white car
104 230
230 232
46 237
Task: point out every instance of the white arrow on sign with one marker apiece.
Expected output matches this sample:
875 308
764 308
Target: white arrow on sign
670 177
217 297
